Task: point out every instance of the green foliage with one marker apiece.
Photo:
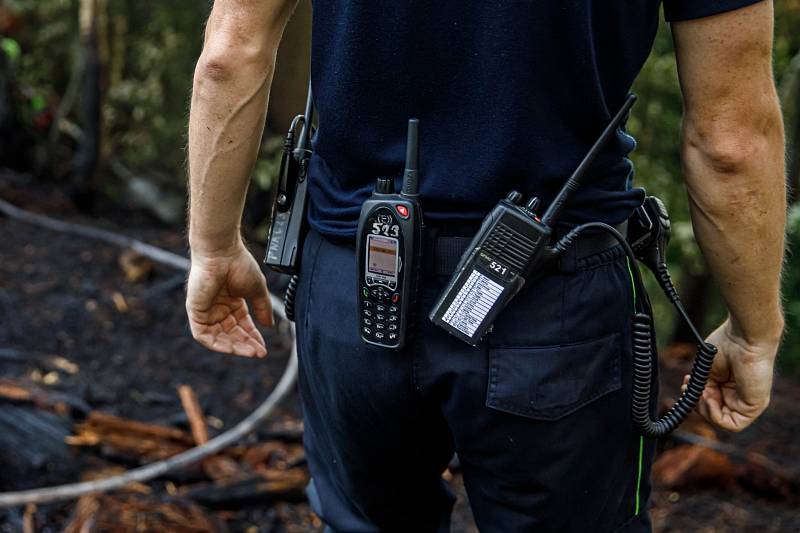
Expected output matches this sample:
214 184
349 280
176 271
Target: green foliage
154 46
42 53
46 42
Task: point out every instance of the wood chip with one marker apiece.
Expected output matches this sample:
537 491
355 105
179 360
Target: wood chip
15 391
64 364
29 519
119 302
194 412
135 266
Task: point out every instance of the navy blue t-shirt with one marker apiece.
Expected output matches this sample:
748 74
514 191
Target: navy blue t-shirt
510 95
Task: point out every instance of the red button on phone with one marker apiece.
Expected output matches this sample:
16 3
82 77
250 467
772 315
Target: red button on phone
403 211
395 298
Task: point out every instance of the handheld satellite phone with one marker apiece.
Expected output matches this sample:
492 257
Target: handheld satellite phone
288 228
512 247
388 254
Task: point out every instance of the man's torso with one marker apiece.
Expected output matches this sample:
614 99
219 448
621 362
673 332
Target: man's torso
510 95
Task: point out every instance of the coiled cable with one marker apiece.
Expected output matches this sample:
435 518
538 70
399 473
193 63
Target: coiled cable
288 297
643 344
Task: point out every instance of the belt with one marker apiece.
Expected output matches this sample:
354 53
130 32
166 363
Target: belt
442 253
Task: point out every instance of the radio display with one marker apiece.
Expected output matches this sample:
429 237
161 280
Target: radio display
382 255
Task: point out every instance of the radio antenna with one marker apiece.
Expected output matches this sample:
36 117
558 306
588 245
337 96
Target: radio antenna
574 181
410 175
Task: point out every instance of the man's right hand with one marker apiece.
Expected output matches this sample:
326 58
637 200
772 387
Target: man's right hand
734 167
220 284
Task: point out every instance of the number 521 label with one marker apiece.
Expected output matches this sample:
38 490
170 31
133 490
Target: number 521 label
495 267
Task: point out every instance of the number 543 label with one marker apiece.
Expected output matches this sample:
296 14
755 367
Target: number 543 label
390 230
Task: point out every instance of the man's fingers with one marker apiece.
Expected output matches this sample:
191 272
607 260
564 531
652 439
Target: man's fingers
710 404
248 335
245 339
244 324
262 306
702 408
249 348
715 407
235 339
241 345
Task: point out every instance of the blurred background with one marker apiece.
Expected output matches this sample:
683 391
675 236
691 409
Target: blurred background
93 109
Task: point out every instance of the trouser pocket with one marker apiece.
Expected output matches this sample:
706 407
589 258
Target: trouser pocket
549 382
560 345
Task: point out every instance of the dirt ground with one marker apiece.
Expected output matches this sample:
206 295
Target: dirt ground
69 296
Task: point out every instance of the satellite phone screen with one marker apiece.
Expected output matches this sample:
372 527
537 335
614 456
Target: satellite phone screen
382 255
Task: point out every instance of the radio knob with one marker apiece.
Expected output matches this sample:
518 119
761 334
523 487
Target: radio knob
532 206
384 186
514 197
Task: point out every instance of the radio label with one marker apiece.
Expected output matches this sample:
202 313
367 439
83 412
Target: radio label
472 303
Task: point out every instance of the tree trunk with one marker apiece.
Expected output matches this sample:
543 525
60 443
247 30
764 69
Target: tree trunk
94 55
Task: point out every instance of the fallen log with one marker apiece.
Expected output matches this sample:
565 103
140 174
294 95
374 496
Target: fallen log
128 438
286 485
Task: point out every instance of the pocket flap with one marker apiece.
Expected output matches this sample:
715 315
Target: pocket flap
549 382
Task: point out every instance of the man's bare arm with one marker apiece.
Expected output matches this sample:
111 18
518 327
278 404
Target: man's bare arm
733 162
229 104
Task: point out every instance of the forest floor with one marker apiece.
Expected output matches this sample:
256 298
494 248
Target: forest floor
128 348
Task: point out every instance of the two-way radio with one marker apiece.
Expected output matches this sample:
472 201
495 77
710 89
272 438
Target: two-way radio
388 254
512 247
288 228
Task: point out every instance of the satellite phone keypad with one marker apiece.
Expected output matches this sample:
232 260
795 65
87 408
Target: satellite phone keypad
380 314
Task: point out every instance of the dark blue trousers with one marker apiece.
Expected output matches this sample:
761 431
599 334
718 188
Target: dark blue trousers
539 413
